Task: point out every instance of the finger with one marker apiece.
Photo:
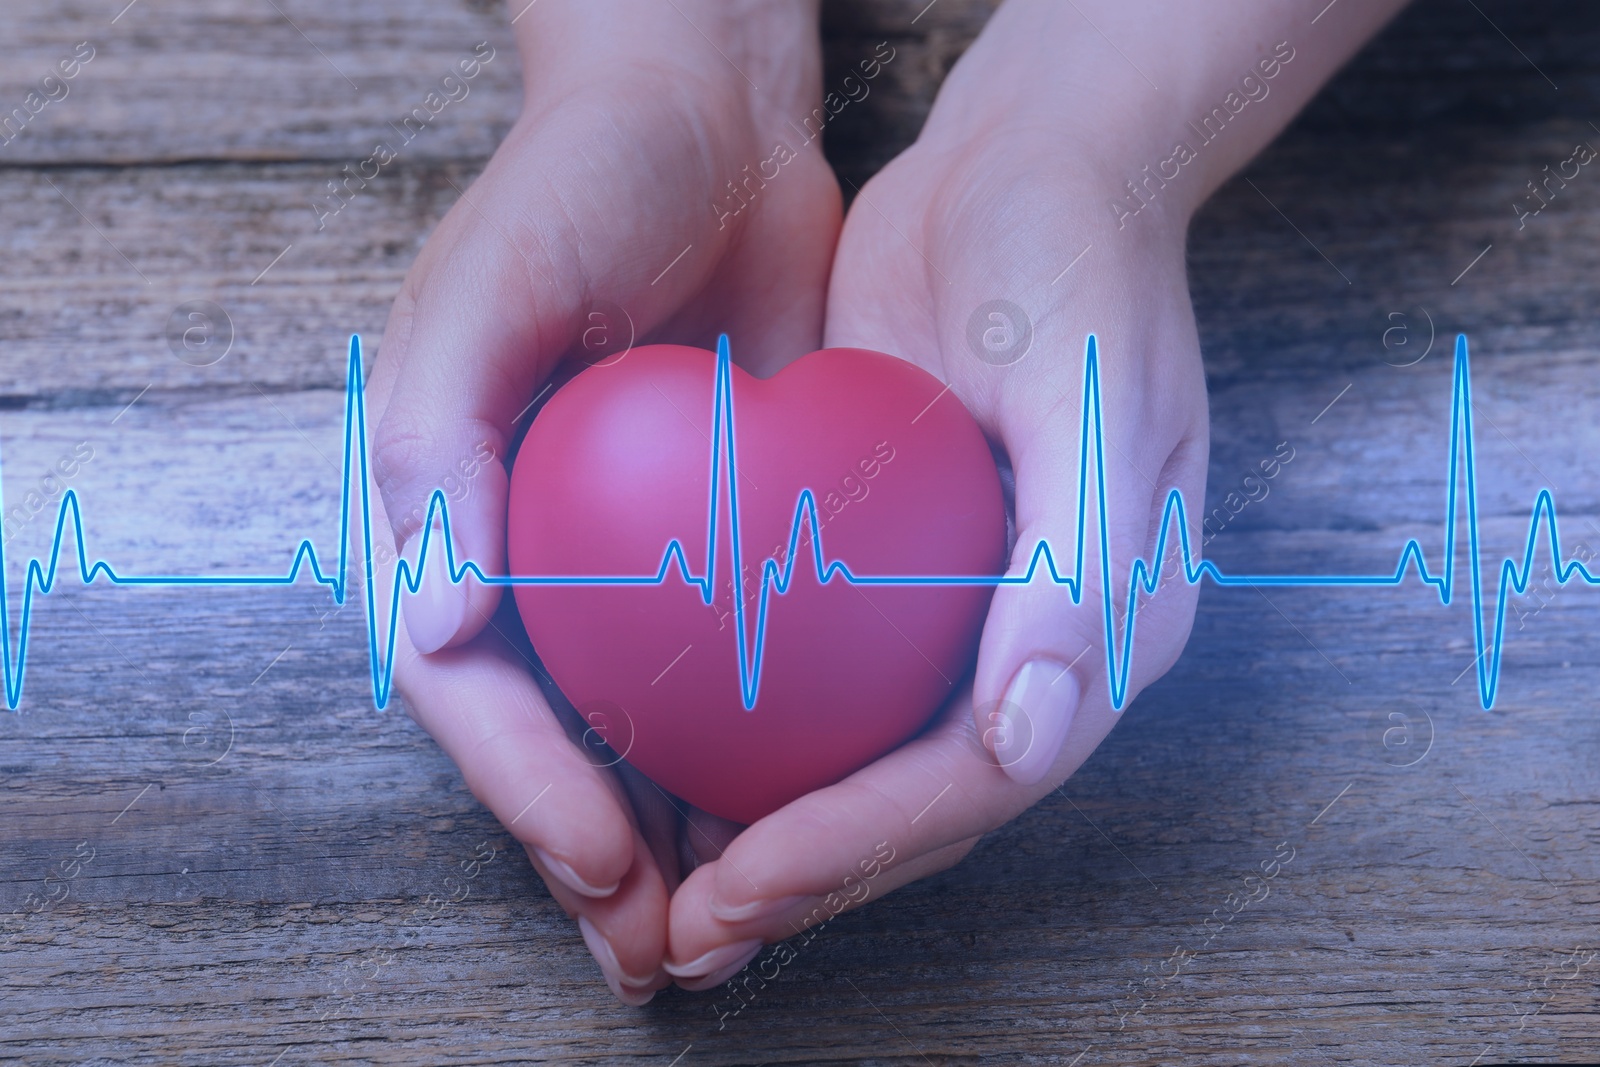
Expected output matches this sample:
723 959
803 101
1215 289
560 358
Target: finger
575 819
481 705
626 931
486 318
940 788
716 951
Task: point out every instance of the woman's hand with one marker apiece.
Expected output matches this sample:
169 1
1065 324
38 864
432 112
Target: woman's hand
987 254
1048 199
607 214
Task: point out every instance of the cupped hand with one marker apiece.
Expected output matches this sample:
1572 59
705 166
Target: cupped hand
987 254
607 214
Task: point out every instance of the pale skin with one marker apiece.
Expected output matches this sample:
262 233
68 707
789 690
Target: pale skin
637 113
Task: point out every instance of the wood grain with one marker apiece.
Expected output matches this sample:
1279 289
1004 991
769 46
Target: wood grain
263 840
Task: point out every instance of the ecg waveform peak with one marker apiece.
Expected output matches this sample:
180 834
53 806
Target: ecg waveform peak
1143 577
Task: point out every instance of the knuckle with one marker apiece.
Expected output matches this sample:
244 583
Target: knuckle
401 452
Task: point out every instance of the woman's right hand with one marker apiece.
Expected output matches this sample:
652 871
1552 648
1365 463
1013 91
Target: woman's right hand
606 213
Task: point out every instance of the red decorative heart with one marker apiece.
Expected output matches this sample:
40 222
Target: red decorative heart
619 464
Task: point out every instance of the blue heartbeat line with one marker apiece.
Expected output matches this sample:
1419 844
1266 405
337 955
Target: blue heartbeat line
1144 577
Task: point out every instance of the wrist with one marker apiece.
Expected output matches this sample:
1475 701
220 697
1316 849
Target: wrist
755 49
1165 108
1042 80
1086 164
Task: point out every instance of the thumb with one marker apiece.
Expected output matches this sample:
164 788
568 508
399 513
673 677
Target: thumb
1043 664
499 296
473 339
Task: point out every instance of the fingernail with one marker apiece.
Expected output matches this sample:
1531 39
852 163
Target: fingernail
724 972
568 877
749 912
714 962
1041 700
606 956
436 612
633 997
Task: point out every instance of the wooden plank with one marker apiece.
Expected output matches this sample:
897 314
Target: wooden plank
239 80
286 869
84 322
102 258
258 83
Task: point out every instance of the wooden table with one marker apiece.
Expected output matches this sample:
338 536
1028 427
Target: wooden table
262 840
